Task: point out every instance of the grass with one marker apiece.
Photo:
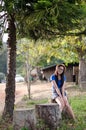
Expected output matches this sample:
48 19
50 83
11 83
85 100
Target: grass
32 103
6 125
78 104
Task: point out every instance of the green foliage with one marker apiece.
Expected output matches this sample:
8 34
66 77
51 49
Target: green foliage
14 6
33 51
17 8
5 125
45 18
24 128
76 46
43 4
51 18
46 53
41 125
8 6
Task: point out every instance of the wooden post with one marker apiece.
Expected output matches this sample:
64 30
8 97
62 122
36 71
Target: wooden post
48 116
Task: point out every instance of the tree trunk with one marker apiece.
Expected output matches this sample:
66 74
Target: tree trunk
82 73
48 116
28 76
11 70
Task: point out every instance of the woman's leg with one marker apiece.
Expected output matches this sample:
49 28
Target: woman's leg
69 109
60 103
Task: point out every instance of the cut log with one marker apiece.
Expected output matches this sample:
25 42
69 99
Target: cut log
47 116
24 118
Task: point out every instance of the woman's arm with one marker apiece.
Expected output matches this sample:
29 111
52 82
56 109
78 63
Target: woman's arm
63 93
56 88
59 93
63 89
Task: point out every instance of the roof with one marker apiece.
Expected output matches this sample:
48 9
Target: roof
69 64
47 67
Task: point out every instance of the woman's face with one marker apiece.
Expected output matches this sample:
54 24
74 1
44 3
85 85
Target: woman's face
60 69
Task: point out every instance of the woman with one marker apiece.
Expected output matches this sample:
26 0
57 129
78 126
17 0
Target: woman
58 81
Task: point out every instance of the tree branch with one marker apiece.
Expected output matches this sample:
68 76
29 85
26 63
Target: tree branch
1 16
67 34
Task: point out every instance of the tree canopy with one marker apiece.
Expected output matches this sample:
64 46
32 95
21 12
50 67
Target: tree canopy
47 18
56 17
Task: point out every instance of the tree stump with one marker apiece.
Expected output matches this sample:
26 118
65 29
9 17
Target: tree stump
24 118
48 116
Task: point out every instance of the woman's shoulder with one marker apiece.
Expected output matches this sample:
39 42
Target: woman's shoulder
52 77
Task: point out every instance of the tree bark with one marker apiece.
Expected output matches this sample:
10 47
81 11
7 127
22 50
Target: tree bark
48 116
24 118
11 70
82 73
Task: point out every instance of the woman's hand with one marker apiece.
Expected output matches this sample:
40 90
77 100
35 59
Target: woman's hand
65 100
62 101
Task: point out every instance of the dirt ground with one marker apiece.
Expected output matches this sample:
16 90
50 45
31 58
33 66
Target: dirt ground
21 90
38 90
41 90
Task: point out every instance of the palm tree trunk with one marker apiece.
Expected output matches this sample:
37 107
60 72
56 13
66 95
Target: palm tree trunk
11 70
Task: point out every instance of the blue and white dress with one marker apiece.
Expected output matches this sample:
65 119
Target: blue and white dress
59 84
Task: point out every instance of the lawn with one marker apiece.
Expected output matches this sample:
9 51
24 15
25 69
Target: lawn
78 104
77 99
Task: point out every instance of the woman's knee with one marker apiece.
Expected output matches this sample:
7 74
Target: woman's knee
67 105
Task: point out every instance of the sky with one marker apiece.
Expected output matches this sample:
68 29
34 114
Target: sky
5 37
